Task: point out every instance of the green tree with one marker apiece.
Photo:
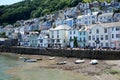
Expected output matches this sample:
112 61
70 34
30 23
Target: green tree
75 42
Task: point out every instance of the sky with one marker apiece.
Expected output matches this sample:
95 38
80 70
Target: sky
8 2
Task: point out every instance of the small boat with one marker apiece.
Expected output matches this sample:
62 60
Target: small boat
23 58
30 60
93 62
62 63
39 59
51 58
79 61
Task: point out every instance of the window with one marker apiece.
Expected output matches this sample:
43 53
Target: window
112 29
53 40
80 39
93 44
89 37
97 31
101 37
117 29
106 44
52 33
83 33
57 32
93 16
112 35
97 37
106 37
57 36
90 32
84 39
105 30
93 37
101 44
52 36
74 32
117 35
89 44
41 40
70 32
58 40
80 33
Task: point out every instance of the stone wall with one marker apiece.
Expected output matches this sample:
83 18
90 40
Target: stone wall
91 54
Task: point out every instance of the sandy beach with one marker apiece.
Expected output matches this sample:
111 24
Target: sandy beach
105 69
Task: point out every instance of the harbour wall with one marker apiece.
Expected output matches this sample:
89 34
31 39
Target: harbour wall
91 54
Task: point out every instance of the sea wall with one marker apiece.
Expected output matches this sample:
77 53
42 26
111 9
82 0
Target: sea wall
91 54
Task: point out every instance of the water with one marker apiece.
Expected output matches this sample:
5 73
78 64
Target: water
9 62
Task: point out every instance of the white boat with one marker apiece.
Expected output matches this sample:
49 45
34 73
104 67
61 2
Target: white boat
22 58
93 62
51 58
79 61
30 60
61 63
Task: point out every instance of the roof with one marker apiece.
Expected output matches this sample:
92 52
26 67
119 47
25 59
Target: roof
3 39
106 25
61 27
106 14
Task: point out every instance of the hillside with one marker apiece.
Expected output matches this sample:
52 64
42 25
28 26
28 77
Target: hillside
34 8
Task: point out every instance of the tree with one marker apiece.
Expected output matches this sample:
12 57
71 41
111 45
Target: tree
75 42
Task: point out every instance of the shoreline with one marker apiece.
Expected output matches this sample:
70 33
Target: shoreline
97 72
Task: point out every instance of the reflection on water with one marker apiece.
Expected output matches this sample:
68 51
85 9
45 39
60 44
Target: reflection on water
8 62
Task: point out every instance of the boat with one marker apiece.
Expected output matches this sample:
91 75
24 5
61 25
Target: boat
30 60
22 57
79 61
93 62
62 63
39 59
51 58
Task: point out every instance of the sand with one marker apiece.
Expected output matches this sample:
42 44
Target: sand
105 69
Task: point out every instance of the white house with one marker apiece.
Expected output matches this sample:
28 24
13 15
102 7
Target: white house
105 17
105 35
114 33
98 36
43 40
59 36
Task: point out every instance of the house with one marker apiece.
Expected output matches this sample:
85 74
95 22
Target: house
105 35
59 36
43 39
98 36
114 33
69 22
105 17
72 34
33 39
83 37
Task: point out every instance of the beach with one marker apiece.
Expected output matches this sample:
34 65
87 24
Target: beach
105 69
